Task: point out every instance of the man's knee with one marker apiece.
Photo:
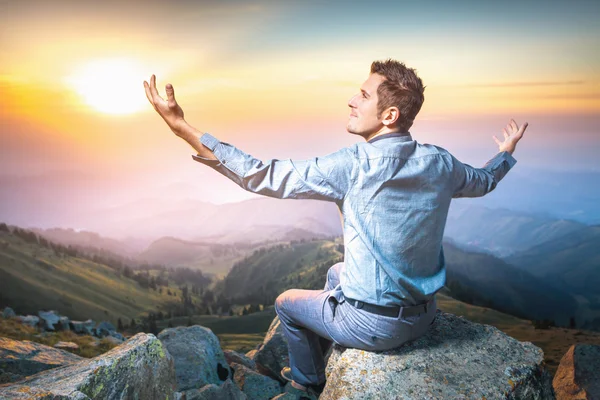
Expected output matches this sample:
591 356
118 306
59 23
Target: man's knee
333 274
280 302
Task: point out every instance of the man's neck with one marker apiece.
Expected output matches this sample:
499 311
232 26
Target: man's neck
382 131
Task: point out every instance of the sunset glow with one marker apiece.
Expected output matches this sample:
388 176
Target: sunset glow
110 86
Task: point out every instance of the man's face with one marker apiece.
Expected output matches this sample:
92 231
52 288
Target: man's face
363 119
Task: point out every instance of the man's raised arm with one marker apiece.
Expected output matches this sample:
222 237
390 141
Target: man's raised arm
476 182
321 178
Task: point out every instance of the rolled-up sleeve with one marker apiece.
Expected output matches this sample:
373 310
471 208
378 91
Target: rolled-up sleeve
321 178
476 182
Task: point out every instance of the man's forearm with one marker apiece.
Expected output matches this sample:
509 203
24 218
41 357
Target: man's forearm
192 136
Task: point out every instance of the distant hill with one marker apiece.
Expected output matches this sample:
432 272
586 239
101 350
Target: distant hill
212 258
321 218
476 278
503 232
482 279
262 276
572 260
84 238
34 277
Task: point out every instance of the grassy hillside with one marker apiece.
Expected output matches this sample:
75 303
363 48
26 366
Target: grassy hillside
35 278
261 277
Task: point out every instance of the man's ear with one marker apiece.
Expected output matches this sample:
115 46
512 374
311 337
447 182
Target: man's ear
390 116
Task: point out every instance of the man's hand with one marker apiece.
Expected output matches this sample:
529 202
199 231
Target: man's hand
169 110
512 134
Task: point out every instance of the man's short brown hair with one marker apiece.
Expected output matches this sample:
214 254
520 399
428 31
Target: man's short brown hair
401 88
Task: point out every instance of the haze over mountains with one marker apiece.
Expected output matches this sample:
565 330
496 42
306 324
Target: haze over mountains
539 223
127 209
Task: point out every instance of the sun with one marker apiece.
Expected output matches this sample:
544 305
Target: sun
111 86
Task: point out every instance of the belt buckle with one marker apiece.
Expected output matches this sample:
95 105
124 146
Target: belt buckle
359 304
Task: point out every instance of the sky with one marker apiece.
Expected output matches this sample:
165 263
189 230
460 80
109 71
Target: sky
274 78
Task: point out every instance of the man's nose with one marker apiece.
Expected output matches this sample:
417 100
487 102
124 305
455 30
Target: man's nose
351 102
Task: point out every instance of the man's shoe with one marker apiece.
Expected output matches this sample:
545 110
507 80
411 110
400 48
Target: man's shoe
316 390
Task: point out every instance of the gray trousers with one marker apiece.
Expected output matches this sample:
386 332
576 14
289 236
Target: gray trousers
313 319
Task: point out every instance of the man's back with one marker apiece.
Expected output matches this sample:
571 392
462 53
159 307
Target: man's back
395 212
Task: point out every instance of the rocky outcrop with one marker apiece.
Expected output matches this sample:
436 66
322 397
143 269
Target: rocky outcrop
139 368
19 359
254 385
199 360
227 391
52 318
30 320
235 357
578 374
455 359
272 355
8 313
82 327
66 345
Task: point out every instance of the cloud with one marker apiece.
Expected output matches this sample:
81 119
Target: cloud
522 84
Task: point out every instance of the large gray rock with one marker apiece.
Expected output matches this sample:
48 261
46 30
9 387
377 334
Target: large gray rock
83 327
105 328
254 385
199 359
140 368
19 359
64 323
272 355
227 391
578 374
456 359
49 318
8 313
30 320
235 357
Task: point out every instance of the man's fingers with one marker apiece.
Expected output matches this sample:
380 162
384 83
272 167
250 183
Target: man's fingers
523 127
153 90
514 125
496 140
170 94
148 94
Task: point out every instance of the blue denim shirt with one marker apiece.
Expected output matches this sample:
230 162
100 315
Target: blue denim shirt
394 194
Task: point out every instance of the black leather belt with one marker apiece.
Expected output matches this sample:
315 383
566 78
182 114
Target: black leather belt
407 311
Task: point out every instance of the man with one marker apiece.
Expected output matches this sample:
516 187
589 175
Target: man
394 195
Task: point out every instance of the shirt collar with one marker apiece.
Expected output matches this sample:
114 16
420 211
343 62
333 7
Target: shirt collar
405 137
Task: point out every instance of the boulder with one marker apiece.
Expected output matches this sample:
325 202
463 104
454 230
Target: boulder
19 359
254 385
198 357
235 357
82 327
66 345
30 320
113 340
8 313
272 354
456 358
64 323
227 391
117 336
105 328
49 319
578 374
140 368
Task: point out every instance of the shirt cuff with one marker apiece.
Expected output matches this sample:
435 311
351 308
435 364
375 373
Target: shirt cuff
211 142
509 158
